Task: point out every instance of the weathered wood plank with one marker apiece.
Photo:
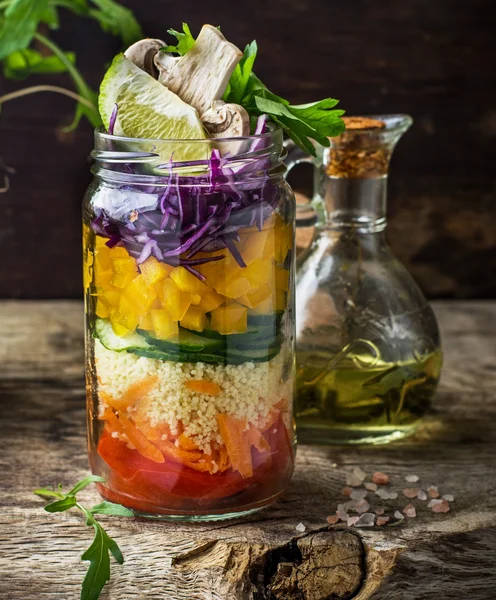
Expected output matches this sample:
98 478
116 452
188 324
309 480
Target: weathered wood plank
263 557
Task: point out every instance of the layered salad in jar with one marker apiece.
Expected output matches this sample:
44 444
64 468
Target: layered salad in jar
188 251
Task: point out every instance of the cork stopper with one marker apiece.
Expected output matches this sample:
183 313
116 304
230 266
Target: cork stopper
359 152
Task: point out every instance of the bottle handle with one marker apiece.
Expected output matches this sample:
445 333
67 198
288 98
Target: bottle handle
306 216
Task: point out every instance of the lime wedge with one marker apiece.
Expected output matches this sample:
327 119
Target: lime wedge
147 109
120 71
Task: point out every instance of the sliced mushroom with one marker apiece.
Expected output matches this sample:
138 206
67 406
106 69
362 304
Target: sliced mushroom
226 120
142 54
200 76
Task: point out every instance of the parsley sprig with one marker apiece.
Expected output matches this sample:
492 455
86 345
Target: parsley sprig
303 123
23 24
98 553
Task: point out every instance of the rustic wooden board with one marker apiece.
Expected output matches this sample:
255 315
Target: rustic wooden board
449 556
429 59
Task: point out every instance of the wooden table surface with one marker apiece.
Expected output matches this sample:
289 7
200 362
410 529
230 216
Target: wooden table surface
433 556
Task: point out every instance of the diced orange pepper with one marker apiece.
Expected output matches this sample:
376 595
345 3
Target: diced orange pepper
239 450
202 386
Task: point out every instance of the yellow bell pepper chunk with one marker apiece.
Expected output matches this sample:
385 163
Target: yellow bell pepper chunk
101 309
280 300
187 282
257 297
195 299
175 302
164 326
118 328
194 319
154 271
102 257
235 287
122 280
103 278
264 308
123 316
110 295
140 294
118 252
124 265
259 272
211 301
230 319
254 245
145 322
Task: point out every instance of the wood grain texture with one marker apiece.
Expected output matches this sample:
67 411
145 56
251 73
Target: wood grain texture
432 60
448 557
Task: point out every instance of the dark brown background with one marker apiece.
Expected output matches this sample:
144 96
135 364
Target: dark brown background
434 60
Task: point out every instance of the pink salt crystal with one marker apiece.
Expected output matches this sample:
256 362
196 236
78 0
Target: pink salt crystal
410 492
412 478
398 515
382 520
341 513
433 493
422 495
333 519
410 511
444 507
362 506
434 502
352 521
380 478
371 487
358 494
379 511
347 491
356 477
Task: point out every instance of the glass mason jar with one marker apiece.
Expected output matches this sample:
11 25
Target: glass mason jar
188 270
368 347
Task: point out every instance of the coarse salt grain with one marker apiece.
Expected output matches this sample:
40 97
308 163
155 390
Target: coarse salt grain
379 511
341 513
434 502
366 520
393 495
300 527
358 494
398 515
444 507
352 521
410 492
346 491
355 477
382 493
380 478
332 519
422 495
433 492
372 487
410 511
382 521
449 497
362 506
412 478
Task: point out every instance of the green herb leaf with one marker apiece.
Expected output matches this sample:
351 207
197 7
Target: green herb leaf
241 75
109 508
61 505
22 18
117 19
98 554
84 483
22 63
50 17
185 40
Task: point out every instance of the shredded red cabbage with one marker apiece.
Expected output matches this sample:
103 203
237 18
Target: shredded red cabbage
194 215
113 119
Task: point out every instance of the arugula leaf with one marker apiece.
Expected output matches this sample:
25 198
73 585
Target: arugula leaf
22 63
185 40
22 18
98 553
117 19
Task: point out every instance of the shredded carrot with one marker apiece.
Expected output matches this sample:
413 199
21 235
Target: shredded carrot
139 441
255 438
202 386
232 430
182 456
112 420
135 392
186 442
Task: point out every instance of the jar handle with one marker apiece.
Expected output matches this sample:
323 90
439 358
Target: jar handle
306 216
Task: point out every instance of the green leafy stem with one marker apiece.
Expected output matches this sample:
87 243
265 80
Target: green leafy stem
98 553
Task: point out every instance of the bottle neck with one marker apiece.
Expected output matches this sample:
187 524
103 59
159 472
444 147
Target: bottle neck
357 204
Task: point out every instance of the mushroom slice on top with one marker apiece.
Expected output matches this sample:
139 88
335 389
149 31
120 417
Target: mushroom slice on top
226 120
200 76
142 54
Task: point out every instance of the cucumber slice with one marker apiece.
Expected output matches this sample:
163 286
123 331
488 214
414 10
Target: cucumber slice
117 343
187 341
272 320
